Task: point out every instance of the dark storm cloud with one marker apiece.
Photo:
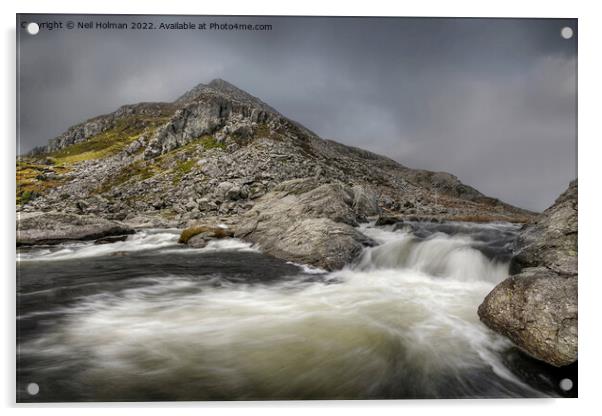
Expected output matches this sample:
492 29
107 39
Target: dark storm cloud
492 101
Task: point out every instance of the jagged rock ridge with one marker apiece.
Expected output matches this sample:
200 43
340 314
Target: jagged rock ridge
213 152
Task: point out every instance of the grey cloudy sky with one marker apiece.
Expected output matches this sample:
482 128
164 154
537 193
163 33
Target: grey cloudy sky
492 101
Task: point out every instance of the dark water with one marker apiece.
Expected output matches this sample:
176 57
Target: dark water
148 320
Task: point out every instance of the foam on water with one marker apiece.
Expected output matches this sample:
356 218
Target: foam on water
401 322
166 240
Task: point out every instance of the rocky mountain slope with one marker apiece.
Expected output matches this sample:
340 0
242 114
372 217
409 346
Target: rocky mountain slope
213 153
537 306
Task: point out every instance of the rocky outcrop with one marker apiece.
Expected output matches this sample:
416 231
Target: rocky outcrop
307 222
537 307
214 152
136 113
551 240
55 228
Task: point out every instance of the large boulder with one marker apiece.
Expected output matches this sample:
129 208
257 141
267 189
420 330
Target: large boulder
55 228
307 222
320 242
537 307
537 310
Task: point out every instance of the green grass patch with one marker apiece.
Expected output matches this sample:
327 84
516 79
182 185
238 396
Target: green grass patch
109 142
209 142
182 168
34 178
185 166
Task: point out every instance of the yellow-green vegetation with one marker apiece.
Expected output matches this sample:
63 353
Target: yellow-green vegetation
185 166
109 142
182 168
262 130
215 232
32 178
138 170
209 142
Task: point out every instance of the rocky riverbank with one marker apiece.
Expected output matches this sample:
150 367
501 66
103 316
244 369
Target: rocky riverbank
537 307
55 228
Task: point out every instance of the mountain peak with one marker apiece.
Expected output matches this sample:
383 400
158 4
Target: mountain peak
224 88
222 84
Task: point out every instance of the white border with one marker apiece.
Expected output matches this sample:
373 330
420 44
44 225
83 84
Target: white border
590 69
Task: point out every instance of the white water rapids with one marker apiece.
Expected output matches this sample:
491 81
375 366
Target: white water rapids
401 322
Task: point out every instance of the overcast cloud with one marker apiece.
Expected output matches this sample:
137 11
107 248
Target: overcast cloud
492 101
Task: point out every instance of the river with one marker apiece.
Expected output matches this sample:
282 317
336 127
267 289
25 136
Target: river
147 319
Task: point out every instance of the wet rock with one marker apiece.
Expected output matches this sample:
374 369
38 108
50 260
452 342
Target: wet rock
111 239
320 242
303 221
55 228
537 307
387 220
537 310
199 236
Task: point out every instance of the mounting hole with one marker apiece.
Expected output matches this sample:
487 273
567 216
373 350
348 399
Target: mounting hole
33 28
566 384
33 389
566 32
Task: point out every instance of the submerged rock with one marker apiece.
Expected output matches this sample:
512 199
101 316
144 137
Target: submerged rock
55 228
537 307
387 220
111 239
306 222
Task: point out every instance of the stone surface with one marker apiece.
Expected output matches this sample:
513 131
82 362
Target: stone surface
387 220
537 307
306 222
55 228
319 242
551 240
537 310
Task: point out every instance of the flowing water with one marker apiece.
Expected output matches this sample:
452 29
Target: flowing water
146 319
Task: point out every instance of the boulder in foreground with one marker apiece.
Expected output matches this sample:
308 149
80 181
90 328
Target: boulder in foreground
537 308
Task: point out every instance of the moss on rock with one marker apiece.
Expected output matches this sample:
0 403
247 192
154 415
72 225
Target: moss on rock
212 232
